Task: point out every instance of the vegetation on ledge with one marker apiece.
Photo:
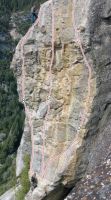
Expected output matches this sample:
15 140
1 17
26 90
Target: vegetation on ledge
24 180
11 110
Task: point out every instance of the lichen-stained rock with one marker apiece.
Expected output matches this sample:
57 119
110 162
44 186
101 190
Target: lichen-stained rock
96 185
57 84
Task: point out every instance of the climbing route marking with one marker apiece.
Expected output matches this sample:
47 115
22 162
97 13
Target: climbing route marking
27 110
70 149
50 87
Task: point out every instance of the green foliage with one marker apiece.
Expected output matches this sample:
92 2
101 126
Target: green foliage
15 5
24 180
23 27
22 21
8 179
11 110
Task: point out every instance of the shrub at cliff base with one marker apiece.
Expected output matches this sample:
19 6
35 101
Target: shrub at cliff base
11 110
24 180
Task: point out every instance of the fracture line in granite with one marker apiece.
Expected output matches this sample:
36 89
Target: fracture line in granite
70 149
27 110
50 86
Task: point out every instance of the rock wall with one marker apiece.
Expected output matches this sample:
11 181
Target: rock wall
99 32
96 184
9 195
61 80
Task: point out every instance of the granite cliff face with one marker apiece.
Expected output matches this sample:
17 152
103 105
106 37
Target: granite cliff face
62 66
96 185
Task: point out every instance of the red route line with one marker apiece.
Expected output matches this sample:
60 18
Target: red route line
28 114
74 143
50 86
89 81
27 111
